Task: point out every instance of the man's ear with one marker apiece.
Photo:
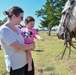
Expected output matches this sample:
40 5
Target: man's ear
13 16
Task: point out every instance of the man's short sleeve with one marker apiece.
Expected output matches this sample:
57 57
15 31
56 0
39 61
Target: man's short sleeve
8 36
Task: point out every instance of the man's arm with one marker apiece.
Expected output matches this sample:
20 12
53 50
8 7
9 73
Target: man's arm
20 47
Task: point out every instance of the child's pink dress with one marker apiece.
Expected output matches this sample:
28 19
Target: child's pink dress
29 35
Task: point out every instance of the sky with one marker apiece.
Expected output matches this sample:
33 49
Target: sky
29 6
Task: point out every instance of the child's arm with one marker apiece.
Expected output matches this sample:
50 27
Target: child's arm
40 38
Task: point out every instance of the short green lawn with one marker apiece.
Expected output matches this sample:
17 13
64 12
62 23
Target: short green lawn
2 63
45 57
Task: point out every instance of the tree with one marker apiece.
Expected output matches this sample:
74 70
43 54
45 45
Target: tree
3 21
50 13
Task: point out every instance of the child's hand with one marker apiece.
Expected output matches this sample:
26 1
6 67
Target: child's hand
41 39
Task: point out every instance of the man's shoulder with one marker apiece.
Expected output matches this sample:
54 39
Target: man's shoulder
3 28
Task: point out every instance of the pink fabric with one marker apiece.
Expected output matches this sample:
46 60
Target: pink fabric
31 39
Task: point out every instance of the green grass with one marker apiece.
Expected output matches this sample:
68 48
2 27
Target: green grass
45 57
2 63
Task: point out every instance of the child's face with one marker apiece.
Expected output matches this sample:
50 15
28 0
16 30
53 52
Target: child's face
30 24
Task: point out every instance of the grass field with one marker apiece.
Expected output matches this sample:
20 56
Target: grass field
45 57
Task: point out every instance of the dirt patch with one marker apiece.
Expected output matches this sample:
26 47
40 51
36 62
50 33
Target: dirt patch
73 68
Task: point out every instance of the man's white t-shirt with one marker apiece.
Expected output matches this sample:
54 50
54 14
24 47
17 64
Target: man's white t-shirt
13 58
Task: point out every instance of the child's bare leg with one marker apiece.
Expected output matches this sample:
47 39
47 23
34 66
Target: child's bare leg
29 58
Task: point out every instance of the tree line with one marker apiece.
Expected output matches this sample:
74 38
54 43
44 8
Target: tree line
50 14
